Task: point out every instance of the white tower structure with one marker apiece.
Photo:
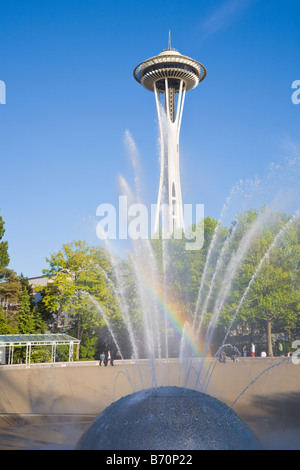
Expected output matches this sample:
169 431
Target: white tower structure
169 74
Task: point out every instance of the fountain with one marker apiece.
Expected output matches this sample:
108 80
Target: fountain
175 408
167 416
180 332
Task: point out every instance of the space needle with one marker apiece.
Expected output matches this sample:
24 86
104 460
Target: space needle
169 75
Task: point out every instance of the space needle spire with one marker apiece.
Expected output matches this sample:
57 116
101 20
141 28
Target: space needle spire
169 75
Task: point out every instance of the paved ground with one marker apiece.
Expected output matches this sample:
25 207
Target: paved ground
48 407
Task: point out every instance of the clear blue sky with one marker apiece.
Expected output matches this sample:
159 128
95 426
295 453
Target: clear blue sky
71 95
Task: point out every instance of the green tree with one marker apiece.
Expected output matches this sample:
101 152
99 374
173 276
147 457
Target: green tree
273 295
80 285
273 300
10 292
181 271
40 325
185 267
26 321
4 257
5 327
24 281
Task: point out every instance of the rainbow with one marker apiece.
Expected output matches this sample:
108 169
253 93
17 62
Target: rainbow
175 310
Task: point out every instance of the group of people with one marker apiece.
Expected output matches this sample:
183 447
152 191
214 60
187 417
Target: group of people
234 353
252 350
106 358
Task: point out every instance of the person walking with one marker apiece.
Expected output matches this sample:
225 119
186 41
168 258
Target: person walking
102 358
245 351
235 354
252 349
110 358
222 356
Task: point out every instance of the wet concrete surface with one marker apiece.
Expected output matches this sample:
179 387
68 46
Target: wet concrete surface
50 407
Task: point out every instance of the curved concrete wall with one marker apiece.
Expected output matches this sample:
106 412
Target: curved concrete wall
271 404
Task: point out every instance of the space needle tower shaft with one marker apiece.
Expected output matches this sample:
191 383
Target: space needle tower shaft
169 75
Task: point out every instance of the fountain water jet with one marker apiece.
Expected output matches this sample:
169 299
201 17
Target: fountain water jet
278 238
155 315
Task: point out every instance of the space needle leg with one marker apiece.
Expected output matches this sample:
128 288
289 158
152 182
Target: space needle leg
179 102
177 123
167 106
162 160
181 110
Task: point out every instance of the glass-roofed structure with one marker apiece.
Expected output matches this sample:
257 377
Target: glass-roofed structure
53 340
